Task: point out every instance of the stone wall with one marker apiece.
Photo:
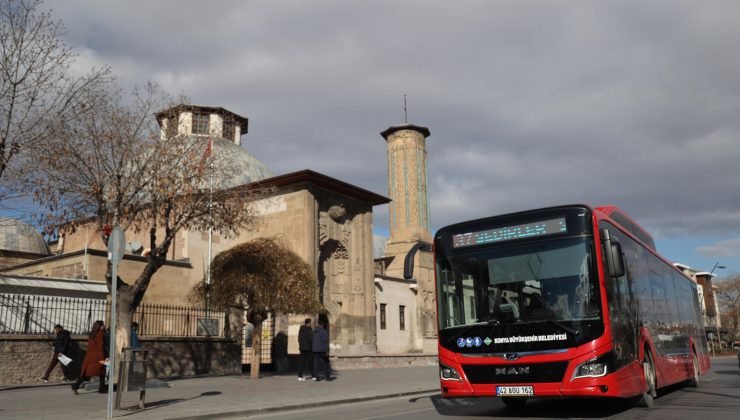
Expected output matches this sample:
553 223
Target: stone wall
376 361
24 358
176 357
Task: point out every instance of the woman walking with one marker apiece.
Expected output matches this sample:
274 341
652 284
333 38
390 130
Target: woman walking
92 364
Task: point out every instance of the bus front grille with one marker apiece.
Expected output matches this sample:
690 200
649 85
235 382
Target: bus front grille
516 374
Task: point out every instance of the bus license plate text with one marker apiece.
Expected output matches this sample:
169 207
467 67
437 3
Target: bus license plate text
515 391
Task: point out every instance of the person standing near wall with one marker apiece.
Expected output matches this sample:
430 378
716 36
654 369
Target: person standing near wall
134 338
321 352
305 346
62 345
92 363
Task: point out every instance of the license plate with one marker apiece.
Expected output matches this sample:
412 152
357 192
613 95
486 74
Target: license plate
515 391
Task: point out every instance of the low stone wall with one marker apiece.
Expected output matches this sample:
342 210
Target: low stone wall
176 357
372 361
24 358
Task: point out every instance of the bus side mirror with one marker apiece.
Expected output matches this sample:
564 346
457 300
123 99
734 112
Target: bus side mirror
613 255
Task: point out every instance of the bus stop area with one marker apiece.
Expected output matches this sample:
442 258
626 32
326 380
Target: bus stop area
216 396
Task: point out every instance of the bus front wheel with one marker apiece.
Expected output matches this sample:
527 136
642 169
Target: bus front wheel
514 402
647 399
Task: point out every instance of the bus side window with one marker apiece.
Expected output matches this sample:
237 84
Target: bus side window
621 315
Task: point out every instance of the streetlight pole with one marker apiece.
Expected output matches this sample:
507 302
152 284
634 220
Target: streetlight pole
716 328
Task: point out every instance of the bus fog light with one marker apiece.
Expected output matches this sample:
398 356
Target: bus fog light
447 373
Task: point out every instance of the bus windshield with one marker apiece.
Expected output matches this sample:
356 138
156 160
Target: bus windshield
551 281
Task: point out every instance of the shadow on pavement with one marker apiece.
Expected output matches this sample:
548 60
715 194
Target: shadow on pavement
164 403
546 408
728 372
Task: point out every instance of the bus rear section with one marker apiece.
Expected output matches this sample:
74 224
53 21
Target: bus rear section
524 311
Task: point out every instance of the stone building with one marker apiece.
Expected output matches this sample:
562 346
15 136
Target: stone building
706 290
326 221
20 242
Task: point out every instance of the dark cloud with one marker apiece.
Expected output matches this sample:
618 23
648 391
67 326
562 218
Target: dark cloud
529 103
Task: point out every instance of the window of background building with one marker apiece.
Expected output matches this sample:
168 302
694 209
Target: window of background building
402 317
382 316
201 123
229 128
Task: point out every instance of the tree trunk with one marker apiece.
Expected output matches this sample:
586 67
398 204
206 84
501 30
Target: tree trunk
124 317
234 328
254 371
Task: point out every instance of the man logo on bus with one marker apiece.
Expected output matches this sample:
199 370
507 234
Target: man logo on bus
514 370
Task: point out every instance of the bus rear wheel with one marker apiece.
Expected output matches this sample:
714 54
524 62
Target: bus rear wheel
694 381
514 402
647 399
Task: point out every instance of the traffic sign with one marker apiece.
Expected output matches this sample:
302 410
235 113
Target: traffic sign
116 244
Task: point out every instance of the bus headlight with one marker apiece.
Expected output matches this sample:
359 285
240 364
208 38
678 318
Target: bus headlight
447 373
596 367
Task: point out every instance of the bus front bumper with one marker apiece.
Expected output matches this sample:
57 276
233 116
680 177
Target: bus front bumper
624 383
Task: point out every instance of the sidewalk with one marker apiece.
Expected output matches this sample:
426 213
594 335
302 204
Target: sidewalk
219 397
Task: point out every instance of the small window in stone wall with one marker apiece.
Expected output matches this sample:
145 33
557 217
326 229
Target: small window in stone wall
229 128
201 123
382 316
402 317
215 237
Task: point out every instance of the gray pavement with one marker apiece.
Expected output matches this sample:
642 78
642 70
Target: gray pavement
220 397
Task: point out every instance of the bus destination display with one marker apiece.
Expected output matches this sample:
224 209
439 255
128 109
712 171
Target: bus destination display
507 233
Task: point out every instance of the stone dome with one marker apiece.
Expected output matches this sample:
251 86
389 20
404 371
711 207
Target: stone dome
246 167
17 236
238 166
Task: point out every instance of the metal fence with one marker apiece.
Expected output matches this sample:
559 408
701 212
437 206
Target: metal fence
177 321
35 314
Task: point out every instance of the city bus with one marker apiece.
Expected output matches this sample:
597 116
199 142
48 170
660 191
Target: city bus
568 301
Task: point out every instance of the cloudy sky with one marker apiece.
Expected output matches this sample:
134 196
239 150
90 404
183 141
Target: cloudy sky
530 103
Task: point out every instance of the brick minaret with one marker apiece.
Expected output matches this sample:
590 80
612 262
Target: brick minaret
407 183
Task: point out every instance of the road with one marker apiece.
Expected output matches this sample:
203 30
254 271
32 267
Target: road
717 398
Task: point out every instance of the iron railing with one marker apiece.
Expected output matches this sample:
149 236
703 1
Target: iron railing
37 314
33 314
176 321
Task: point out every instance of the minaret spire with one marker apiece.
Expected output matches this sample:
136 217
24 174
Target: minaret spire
405 111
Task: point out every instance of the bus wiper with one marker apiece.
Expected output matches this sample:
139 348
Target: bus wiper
563 326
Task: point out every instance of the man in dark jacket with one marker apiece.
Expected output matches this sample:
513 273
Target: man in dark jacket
321 352
62 345
305 346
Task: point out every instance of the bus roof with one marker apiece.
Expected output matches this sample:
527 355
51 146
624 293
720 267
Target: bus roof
620 217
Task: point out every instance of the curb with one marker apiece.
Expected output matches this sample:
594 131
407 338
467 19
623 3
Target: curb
265 410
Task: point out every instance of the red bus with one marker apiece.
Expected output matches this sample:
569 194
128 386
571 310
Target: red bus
559 302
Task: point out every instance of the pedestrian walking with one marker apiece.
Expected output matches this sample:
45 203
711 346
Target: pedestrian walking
62 345
305 346
92 364
320 347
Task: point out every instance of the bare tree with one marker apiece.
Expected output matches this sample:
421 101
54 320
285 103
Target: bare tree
729 300
37 87
264 276
114 167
